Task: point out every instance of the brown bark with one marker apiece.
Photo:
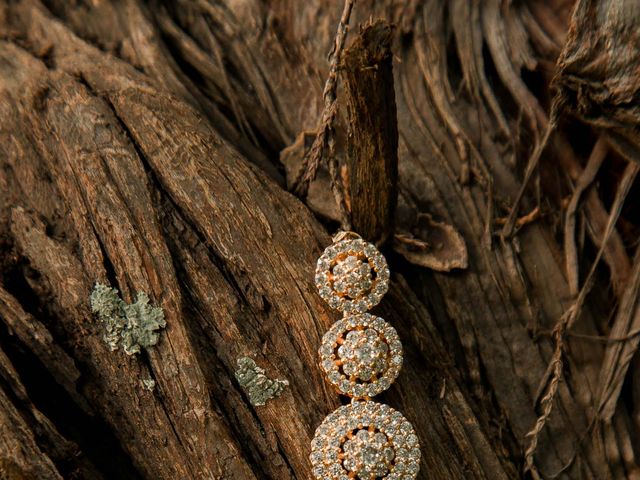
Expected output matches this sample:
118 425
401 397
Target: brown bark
372 132
139 148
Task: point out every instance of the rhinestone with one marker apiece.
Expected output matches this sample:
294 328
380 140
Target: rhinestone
326 350
336 469
370 250
384 273
334 302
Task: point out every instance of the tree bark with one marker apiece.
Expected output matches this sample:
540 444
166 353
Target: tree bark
372 133
139 148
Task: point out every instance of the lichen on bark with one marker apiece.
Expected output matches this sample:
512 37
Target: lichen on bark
127 326
256 384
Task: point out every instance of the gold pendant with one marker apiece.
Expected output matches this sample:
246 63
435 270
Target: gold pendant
361 355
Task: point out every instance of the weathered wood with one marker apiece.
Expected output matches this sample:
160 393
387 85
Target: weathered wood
20 455
372 132
113 137
598 70
139 147
30 444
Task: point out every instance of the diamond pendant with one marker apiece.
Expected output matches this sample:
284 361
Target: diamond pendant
365 440
361 355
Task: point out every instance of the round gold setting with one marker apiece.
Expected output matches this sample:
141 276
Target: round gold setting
365 441
352 275
361 355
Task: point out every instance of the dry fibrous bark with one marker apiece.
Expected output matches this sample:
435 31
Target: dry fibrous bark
598 70
323 145
140 148
372 132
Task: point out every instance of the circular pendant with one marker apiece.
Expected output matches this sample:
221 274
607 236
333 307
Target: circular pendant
365 441
352 275
361 355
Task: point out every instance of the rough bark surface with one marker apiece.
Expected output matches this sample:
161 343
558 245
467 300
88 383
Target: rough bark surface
372 131
139 147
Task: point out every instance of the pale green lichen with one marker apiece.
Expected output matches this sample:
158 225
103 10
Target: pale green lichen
130 327
106 302
256 384
149 384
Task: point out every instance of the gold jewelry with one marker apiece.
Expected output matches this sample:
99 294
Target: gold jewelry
361 355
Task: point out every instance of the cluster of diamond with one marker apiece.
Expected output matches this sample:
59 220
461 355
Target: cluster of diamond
352 275
367 441
368 454
361 355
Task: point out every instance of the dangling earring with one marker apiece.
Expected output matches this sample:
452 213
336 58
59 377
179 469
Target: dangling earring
361 355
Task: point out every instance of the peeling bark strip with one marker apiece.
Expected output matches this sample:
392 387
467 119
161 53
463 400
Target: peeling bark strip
432 244
372 143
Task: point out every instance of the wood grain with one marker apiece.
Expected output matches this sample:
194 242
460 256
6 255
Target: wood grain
372 132
139 147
